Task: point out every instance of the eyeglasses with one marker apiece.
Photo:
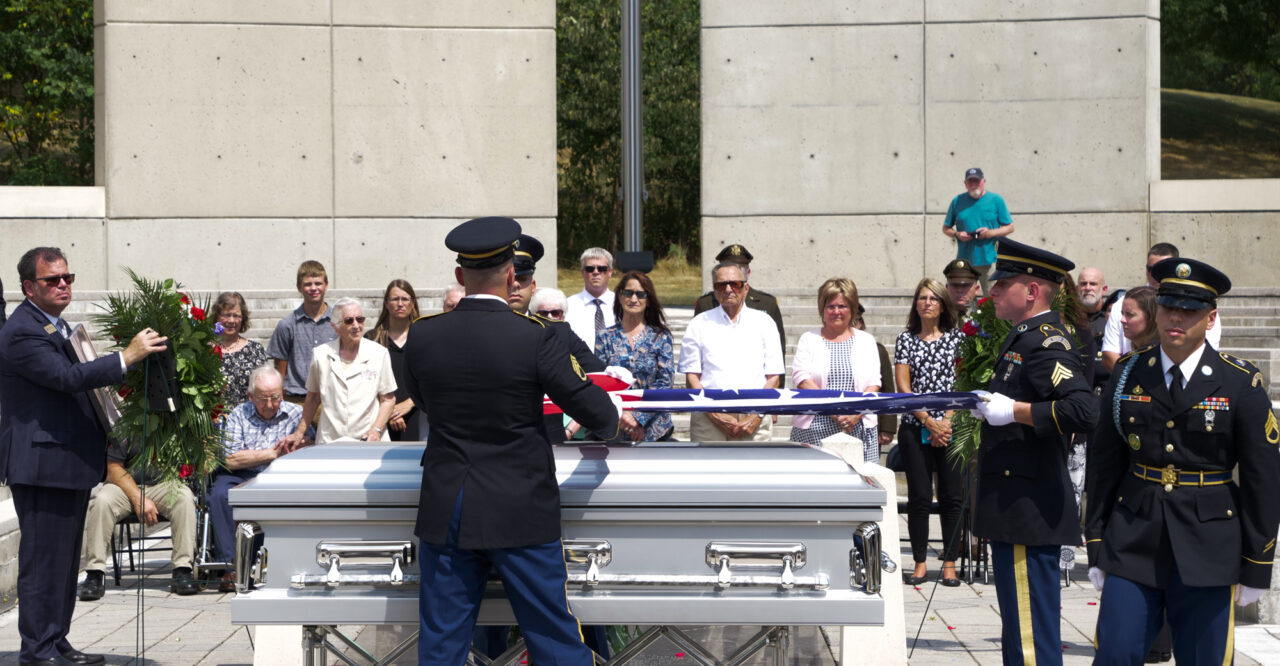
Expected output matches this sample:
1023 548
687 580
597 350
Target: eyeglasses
552 314
230 315
637 293
55 280
735 285
348 320
595 269
267 398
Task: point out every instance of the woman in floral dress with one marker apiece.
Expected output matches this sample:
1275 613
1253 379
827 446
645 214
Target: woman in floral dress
641 343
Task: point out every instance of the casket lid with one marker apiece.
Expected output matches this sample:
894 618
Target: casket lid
676 474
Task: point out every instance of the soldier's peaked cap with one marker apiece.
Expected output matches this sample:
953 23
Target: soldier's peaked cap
1189 284
529 252
484 241
1014 258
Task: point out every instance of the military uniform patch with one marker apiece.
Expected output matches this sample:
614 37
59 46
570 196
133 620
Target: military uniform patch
1272 429
577 367
1258 380
1135 442
1056 339
1060 373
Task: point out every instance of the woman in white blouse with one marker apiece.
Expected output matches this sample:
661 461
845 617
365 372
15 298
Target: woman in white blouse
837 357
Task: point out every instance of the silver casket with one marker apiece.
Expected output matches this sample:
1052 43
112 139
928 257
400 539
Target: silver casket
654 534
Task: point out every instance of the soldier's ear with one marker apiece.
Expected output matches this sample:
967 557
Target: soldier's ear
1213 319
457 275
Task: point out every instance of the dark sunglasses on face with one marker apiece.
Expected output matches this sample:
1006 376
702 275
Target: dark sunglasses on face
552 314
595 269
54 280
729 284
638 293
349 320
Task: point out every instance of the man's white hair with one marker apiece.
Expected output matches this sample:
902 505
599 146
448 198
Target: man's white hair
261 372
595 253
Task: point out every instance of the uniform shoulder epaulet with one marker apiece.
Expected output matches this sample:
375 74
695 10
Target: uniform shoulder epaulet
1135 353
1054 336
434 314
1239 363
532 318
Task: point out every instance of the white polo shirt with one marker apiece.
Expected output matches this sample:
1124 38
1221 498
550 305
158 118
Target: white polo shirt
581 314
729 354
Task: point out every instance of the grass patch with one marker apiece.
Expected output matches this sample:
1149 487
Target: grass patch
1210 135
678 282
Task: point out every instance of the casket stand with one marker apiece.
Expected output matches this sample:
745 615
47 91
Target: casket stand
664 535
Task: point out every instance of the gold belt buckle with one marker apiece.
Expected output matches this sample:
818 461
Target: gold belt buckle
1169 477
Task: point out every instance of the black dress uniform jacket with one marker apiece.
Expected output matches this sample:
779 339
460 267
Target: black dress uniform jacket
756 299
1217 534
481 370
1024 493
587 360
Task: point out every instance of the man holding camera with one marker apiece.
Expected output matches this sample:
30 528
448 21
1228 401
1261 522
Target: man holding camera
976 219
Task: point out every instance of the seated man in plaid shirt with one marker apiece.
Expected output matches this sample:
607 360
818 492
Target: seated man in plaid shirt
254 431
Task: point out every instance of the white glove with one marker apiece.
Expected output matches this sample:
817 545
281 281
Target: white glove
621 374
1098 577
1246 595
997 410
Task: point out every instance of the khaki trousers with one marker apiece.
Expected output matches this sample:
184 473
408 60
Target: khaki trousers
701 429
108 505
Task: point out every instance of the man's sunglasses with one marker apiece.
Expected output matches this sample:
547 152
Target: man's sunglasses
729 284
349 320
552 314
595 269
55 280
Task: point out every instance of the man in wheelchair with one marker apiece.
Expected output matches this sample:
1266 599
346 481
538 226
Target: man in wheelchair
121 495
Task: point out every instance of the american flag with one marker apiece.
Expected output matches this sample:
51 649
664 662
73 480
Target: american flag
785 401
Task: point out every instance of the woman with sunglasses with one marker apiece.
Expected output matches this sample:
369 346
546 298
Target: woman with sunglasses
351 378
399 309
641 343
549 303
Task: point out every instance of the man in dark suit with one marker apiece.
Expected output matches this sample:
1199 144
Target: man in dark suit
489 494
53 450
756 299
1026 504
1168 529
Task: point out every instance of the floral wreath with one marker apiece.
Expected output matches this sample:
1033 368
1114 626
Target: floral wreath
185 441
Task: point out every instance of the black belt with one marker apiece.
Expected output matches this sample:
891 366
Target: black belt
1172 476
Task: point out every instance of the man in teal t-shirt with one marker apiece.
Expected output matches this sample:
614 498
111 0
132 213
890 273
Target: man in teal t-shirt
976 219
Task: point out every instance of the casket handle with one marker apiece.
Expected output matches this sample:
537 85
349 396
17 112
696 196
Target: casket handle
364 554
865 560
785 557
594 553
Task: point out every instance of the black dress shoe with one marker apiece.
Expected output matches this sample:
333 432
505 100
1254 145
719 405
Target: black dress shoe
77 657
93 586
41 662
184 583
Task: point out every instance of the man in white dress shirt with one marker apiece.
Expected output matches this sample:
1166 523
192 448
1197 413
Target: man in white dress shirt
731 347
591 310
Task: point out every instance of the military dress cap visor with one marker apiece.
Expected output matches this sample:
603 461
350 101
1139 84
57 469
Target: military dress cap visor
484 242
528 253
1014 259
961 269
735 253
1189 284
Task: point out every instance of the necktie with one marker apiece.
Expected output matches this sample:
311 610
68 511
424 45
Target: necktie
1175 385
63 328
599 315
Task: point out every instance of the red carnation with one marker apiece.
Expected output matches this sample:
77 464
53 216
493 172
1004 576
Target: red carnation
217 411
185 471
970 328
183 297
217 350
982 301
124 392
197 314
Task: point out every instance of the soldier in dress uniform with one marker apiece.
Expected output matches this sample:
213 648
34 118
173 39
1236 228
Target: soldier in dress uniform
1167 528
489 494
1026 505
756 299
963 285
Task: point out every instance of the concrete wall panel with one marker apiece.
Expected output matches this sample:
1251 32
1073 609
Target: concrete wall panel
444 123
372 252
1021 10
729 13
81 240
1242 244
470 14
293 12
1114 242
801 252
212 255
213 121
994 88
815 120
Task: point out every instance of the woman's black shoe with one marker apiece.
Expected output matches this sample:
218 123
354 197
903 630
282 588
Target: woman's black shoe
950 582
908 579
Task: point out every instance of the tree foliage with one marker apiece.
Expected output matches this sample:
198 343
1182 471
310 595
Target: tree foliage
46 92
1224 46
589 124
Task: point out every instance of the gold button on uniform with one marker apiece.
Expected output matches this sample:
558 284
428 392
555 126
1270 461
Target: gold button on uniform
1168 424
1006 472
1168 447
1168 487
1229 513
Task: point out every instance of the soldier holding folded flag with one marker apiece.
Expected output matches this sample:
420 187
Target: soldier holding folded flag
1167 528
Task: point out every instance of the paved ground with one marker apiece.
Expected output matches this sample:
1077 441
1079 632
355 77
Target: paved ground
961 626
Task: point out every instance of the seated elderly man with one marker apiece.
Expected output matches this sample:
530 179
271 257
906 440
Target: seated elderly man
731 347
255 432
549 303
116 498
